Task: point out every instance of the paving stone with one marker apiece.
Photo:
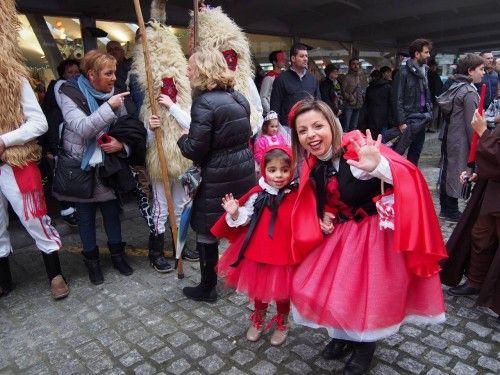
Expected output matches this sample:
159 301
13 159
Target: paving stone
411 365
298 367
178 367
264 368
412 348
463 369
118 348
435 342
481 346
130 358
478 329
468 313
145 369
107 337
99 364
437 358
212 364
243 356
489 363
151 343
178 339
224 346
233 371
207 334
387 355
410 331
163 355
276 354
381 369
435 371
394 340
452 335
195 351
458 351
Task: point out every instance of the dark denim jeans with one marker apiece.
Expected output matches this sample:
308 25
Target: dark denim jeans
416 146
350 119
110 211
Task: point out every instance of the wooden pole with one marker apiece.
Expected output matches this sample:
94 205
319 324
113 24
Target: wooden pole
159 143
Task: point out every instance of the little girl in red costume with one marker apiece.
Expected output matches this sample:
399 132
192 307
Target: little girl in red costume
258 262
364 273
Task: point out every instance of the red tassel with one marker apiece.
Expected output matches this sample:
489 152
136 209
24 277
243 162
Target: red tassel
29 182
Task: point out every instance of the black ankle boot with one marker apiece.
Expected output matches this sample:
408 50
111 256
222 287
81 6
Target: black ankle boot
361 358
156 256
91 260
58 286
205 290
336 349
117 251
5 277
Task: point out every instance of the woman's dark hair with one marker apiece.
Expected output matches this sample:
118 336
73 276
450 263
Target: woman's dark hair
277 154
375 74
418 46
330 68
64 64
470 61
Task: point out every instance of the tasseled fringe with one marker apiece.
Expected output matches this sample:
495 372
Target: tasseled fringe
34 205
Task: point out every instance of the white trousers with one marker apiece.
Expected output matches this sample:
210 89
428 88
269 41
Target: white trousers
160 209
45 235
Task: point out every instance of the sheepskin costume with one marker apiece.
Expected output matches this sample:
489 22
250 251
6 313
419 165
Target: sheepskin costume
12 71
167 60
217 30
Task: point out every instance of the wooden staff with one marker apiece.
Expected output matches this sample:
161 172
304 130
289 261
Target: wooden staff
159 143
196 8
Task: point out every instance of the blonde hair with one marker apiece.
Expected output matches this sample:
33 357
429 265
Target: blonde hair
96 61
210 70
311 104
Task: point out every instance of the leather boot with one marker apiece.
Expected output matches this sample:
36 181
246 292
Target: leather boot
257 319
281 332
5 277
361 358
91 260
156 256
58 286
336 349
205 290
117 251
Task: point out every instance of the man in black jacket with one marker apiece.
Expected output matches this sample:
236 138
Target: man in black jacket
411 95
293 84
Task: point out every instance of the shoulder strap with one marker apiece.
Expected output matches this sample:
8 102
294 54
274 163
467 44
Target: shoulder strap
76 95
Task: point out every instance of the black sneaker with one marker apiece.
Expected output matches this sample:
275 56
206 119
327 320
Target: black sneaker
70 220
454 217
190 255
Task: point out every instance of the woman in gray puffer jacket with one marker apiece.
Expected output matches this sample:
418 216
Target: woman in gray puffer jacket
89 107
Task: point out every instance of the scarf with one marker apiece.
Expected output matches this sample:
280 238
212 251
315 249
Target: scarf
92 155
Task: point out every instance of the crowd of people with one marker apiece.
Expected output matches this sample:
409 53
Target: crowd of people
321 215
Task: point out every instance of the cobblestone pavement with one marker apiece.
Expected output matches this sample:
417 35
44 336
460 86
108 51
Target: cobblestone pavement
142 324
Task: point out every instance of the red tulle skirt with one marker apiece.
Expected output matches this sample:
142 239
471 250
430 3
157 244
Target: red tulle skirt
358 287
261 281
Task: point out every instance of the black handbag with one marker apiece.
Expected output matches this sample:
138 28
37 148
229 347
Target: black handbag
69 179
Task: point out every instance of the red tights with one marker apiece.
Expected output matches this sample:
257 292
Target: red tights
283 307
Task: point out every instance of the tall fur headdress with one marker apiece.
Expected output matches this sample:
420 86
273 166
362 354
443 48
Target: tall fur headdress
167 60
217 30
12 73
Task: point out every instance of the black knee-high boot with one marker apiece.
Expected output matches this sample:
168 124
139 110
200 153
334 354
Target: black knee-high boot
5 276
361 358
205 290
156 256
93 264
336 349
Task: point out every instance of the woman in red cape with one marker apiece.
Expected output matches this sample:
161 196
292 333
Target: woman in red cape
359 280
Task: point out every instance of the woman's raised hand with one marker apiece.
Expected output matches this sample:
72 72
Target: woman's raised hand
368 151
154 122
116 101
231 205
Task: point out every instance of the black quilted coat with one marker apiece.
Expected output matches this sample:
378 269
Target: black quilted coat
218 143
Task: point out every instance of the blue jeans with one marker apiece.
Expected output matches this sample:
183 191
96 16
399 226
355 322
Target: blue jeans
350 119
110 211
416 146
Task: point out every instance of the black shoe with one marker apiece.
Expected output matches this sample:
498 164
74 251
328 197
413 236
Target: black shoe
190 255
70 220
91 260
463 290
361 358
336 349
156 256
5 277
201 293
118 258
450 216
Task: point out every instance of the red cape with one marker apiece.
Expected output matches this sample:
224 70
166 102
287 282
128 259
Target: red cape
417 232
